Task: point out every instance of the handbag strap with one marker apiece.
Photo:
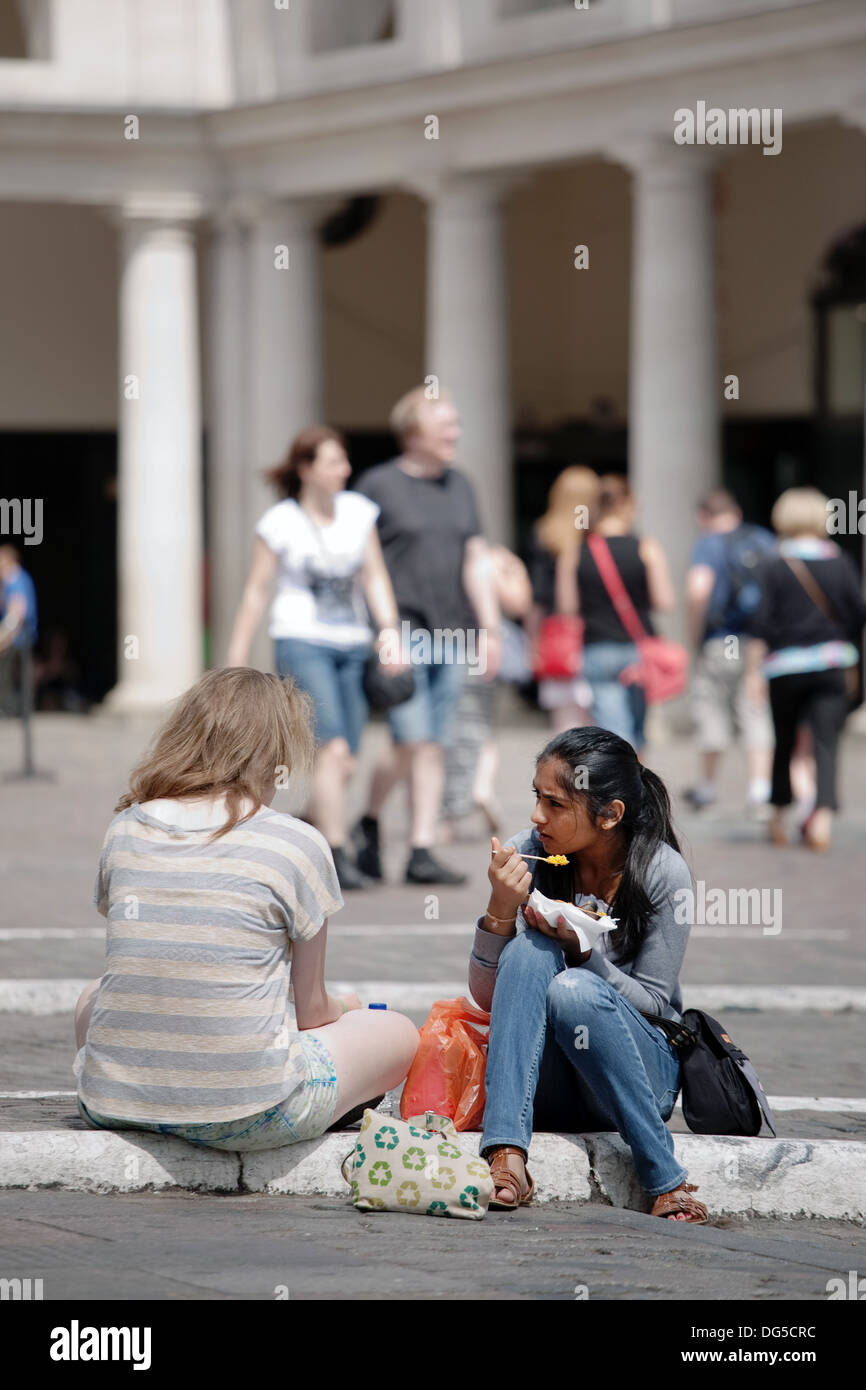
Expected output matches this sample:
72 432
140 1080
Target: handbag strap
616 590
812 587
678 1035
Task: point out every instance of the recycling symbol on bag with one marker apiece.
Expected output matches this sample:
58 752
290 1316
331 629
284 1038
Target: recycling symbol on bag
469 1198
366 1122
356 1191
437 1209
380 1175
446 1179
414 1159
375 1202
384 1143
408 1194
448 1151
420 1133
360 1156
478 1169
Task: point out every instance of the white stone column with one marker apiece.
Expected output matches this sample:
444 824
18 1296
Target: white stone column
227 410
285 353
467 342
674 386
160 502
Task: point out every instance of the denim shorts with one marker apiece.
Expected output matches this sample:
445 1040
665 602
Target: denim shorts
428 716
306 1114
334 678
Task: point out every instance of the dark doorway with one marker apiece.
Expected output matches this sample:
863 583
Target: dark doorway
75 566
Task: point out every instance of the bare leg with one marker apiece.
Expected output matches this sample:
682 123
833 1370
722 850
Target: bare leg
711 760
83 1010
372 1051
392 766
426 783
326 808
568 717
803 778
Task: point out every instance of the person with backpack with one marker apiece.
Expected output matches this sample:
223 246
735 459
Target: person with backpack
722 595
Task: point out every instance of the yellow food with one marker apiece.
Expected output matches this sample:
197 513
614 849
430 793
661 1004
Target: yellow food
557 859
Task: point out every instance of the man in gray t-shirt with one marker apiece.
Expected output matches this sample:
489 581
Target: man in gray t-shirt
449 617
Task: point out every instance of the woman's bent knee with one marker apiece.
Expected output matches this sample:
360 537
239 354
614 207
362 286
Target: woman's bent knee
528 949
577 991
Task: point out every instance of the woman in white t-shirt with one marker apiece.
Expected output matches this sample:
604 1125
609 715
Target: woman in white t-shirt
320 546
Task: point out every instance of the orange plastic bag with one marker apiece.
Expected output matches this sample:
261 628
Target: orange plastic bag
447 1075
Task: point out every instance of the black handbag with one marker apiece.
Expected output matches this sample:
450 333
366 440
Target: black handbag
720 1087
383 691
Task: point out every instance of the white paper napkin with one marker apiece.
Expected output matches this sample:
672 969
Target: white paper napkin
587 929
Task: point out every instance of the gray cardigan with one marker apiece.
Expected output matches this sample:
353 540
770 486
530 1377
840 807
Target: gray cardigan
651 980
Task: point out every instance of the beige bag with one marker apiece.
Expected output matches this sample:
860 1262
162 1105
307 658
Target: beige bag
416 1166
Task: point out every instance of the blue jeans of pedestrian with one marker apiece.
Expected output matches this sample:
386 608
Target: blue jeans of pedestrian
568 1053
334 677
428 715
617 707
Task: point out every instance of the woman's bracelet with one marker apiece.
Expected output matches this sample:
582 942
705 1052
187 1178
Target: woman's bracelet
503 921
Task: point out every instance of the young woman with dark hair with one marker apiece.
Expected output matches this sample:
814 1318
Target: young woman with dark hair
569 1046
320 547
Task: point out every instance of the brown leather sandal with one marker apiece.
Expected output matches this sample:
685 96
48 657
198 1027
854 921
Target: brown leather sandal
671 1204
503 1176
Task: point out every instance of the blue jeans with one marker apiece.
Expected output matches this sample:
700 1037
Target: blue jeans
617 707
567 1052
428 717
334 677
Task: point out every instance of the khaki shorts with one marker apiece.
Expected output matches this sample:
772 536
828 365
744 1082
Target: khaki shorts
720 706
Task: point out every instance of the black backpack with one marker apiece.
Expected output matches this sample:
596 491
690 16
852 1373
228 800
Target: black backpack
720 1087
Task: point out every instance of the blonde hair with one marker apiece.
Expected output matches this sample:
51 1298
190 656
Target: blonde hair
405 416
231 734
800 511
574 487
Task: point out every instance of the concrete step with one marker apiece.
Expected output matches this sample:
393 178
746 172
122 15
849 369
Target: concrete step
760 1177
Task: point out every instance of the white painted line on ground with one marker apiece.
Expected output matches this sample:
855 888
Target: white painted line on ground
464 929
830 1105
34 1095
60 995
52 933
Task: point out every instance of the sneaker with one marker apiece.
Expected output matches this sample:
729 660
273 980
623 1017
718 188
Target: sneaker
423 868
699 798
348 875
365 839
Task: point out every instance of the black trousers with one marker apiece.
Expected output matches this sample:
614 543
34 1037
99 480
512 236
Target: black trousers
819 700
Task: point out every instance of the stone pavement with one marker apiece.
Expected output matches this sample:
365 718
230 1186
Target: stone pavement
405 942
177 1245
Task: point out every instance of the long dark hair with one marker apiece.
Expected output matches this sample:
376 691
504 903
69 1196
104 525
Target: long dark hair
601 767
303 449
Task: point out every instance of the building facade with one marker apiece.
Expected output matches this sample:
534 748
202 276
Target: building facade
226 219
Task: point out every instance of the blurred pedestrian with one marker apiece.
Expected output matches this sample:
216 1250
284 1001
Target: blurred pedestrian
18 632
722 594
608 649
320 546
436 557
811 614
560 532
472 756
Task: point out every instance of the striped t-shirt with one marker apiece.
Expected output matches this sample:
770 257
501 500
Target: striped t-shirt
191 1023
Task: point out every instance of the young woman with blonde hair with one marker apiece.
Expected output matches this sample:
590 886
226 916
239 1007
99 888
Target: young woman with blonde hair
556 543
216 906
